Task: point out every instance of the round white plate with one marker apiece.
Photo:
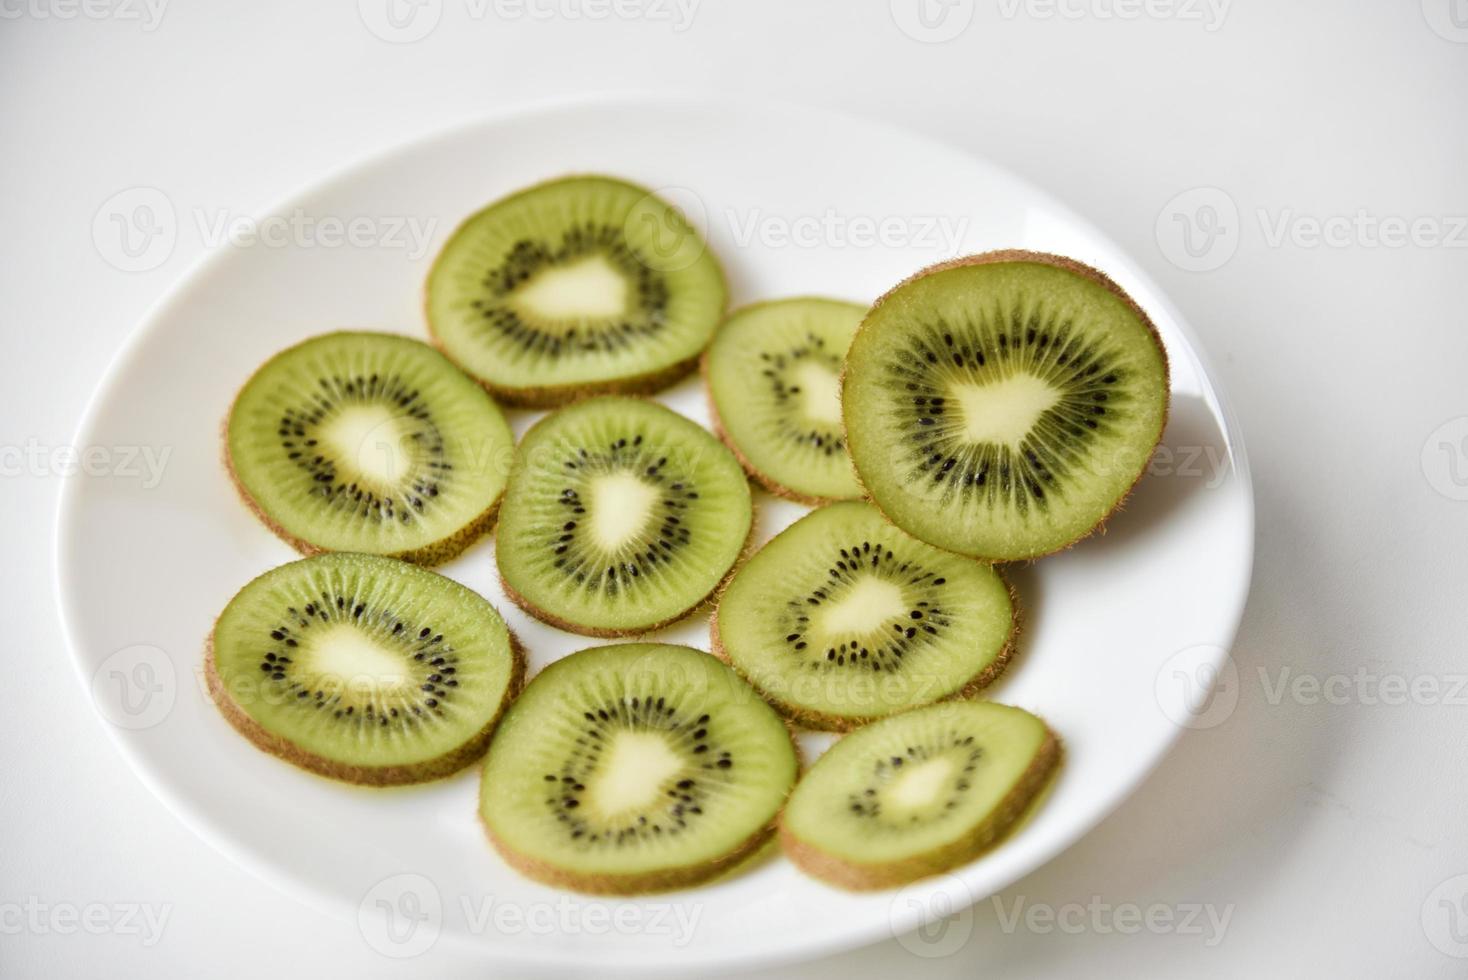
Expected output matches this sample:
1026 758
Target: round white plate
1124 632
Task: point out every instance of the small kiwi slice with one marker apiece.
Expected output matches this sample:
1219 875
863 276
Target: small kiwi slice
363 668
579 286
842 618
918 793
773 373
620 517
632 768
369 442
1003 405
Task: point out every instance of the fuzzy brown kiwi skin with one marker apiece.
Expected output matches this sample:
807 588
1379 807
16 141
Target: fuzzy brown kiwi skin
761 478
558 396
668 879
433 553
856 876
823 722
1055 261
555 396
755 473
438 768
560 623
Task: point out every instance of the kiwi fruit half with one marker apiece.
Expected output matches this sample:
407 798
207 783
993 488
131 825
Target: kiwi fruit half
773 374
635 768
918 793
620 516
579 286
1003 405
363 668
842 618
371 443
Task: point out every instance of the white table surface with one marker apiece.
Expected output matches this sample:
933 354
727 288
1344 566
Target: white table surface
1325 824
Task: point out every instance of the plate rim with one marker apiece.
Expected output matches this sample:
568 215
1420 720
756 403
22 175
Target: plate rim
860 935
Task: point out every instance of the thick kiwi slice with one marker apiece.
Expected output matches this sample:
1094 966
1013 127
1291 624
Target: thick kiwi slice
621 516
633 768
843 618
585 285
917 793
363 668
1003 405
369 442
773 372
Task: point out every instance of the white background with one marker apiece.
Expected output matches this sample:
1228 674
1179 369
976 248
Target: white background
1323 830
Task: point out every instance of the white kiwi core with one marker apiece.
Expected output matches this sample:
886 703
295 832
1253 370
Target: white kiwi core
869 604
920 785
1003 411
376 443
820 392
638 765
621 505
344 655
587 289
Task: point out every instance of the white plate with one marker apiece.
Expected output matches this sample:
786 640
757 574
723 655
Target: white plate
1120 629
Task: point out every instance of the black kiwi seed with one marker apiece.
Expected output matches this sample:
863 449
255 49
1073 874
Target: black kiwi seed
773 374
380 627
826 439
646 317
880 654
865 802
580 559
1054 349
686 797
299 430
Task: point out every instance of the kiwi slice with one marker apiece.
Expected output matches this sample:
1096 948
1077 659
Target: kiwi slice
1003 405
620 517
579 286
843 618
363 668
918 793
773 373
372 443
632 768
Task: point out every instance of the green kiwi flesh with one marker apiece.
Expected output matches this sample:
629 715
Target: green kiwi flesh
773 373
370 443
620 516
1003 405
362 668
842 618
918 793
584 285
634 768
